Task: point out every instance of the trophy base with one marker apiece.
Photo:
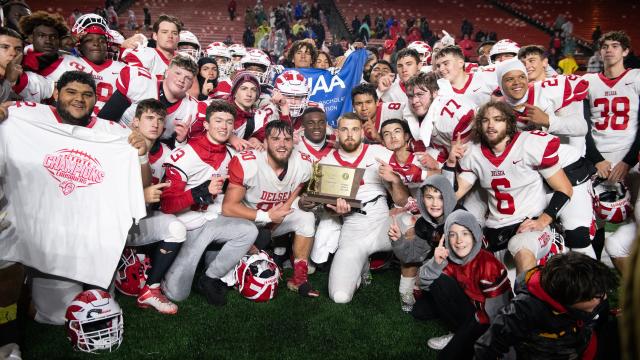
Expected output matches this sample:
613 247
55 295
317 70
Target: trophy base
327 199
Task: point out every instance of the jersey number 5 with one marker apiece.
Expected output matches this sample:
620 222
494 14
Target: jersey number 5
614 114
505 203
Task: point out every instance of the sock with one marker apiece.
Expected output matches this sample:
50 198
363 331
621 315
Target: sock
406 284
162 259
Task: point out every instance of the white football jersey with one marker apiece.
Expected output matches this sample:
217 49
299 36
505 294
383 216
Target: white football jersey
479 87
315 151
411 172
157 159
386 111
137 84
512 179
614 109
563 90
149 58
372 184
447 117
264 188
397 93
33 87
105 75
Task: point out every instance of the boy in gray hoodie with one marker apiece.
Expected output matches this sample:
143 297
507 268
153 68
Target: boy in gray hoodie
413 244
465 286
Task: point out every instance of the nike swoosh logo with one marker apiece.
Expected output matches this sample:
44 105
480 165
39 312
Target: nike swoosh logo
115 73
369 164
33 94
474 90
628 83
517 161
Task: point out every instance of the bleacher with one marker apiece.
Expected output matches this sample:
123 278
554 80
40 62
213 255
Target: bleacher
208 22
585 15
447 15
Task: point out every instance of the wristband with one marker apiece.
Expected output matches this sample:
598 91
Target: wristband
557 202
144 159
262 217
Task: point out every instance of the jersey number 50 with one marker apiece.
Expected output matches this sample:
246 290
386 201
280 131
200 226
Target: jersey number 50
614 114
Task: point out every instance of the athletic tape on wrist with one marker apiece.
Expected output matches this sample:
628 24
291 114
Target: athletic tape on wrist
144 159
262 217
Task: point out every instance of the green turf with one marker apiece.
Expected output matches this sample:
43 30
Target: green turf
372 326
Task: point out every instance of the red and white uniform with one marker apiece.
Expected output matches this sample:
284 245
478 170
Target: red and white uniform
478 88
149 58
512 179
371 185
137 84
33 87
386 111
251 170
396 93
105 75
614 110
447 117
187 167
315 151
223 89
158 155
411 172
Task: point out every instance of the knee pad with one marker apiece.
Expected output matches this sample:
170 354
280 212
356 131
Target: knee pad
177 232
620 243
577 238
307 225
538 242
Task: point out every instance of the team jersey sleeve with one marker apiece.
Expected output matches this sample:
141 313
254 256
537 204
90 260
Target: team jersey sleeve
466 167
137 84
197 126
569 121
242 168
541 152
494 280
33 87
139 57
175 198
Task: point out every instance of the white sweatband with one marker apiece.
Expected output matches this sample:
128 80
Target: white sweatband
262 217
144 159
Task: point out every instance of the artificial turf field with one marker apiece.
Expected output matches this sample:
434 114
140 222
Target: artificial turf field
372 326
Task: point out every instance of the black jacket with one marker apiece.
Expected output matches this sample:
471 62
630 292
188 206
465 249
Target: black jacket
537 326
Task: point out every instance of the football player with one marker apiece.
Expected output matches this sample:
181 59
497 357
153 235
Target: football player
373 112
614 140
510 166
391 87
197 173
166 33
263 186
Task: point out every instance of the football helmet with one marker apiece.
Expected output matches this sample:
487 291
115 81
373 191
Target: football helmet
131 274
187 38
113 47
220 52
424 50
237 51
612 202
293 87
90 24
94 322
259 58
257 277
504 46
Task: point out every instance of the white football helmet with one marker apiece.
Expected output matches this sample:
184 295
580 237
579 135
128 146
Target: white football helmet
612 202
237 51
94 322
259 58
90 24
504 46
424 50
220 52
293 86
257 277
115 40
191 42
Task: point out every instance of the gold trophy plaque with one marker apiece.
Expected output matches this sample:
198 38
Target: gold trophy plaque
330 182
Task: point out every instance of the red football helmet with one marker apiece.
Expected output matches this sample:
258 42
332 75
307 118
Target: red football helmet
131 275
94 322
257 277
612 202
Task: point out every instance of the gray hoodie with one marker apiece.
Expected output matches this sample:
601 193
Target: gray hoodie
432 270
416 250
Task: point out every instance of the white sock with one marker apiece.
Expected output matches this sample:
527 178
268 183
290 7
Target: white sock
406 284
279 250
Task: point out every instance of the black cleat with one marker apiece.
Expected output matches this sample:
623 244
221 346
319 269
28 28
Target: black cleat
214 290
